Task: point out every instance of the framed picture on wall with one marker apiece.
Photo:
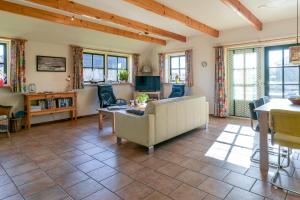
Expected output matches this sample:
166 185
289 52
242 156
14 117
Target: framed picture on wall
50 64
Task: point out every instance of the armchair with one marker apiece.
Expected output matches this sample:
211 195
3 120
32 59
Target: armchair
178 90
4 119
107 97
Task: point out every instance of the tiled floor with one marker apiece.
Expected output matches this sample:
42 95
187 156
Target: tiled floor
67 160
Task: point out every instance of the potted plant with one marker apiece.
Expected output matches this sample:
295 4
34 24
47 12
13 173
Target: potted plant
142 98
123 75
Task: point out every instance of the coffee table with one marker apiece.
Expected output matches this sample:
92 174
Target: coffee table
112 114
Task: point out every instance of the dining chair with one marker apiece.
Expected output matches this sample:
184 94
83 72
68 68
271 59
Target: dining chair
4 119
285 132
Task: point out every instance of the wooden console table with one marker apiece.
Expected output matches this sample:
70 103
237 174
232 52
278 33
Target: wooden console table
37 104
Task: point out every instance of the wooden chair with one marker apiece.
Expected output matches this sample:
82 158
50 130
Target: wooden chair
5 112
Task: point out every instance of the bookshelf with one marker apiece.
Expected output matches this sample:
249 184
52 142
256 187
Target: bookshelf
37 104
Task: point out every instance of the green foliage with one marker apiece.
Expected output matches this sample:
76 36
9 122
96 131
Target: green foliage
142 98
123 75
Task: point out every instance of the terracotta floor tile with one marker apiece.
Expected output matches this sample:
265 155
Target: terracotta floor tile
84 189
15 162
8 190
192 164
214 172
15 197
36 186
53 193
116 182
135 191
266 190
154 163
211 197
90 166
21 169
171 169
50 164
192 178
29 176
77 160
104 155
129 167
103 194
93 151
292 196
102 173
61 170
70 154
239 180
185 192
116 161
157 196
237 194
71 179
215 187
4 179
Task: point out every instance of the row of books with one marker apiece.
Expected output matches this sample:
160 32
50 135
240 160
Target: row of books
51 103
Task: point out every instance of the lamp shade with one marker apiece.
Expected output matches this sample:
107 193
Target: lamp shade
295 54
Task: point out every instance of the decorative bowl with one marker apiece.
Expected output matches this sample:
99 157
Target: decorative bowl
295 100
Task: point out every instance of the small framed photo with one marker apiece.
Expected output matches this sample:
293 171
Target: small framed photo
50 64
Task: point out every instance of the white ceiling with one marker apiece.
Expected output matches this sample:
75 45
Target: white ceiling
211 12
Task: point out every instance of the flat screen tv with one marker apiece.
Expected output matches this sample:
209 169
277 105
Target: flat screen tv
147 83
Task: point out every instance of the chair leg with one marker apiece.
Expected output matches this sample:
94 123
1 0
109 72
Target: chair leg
8 133
119 140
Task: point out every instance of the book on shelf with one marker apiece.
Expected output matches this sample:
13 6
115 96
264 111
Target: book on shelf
51 103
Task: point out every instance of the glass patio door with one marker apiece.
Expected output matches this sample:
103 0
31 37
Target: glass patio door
243 78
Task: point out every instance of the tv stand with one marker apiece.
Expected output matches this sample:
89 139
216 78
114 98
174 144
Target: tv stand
155 94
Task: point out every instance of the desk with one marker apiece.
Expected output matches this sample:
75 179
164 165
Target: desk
263 119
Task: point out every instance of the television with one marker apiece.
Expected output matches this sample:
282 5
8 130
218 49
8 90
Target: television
147 83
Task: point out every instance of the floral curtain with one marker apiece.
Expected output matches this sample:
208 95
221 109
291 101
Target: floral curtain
161 65
135 67
17 68
189 68
220 95
77 53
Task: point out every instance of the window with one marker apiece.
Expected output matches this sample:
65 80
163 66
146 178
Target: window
93 67
3 63
282 77
114 65
177 68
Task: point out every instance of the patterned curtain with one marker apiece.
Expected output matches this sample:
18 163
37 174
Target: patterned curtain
161 65
17 68
77 53
135 67
220 96
189 67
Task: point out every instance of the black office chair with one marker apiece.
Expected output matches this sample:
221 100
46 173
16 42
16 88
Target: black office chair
253 117
107 97
178 90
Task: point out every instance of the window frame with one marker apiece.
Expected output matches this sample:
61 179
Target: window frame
171 68
282 67
5 62
98 54
117 69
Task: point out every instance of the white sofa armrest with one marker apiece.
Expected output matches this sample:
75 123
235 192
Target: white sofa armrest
138 129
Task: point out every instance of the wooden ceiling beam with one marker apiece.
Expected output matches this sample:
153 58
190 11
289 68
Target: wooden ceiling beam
66 20
160 9
243 11
80 9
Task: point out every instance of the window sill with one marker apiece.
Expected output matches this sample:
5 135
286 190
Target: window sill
103 83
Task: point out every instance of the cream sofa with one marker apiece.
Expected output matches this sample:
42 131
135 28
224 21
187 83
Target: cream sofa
162 120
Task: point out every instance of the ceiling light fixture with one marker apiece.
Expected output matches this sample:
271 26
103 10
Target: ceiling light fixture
295 50
72 18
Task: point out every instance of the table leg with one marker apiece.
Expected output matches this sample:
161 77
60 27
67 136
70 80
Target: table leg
263 140
100 120
113 122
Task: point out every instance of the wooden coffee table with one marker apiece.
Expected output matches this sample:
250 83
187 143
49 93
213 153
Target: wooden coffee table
112 114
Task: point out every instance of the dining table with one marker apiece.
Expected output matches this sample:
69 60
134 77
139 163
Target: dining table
263 120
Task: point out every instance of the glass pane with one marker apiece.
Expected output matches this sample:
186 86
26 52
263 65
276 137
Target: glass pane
291 90
251 60
112 62
112 75
275 91
238 61
275 58
238 93
87 60
275 75
291 75
98 75
122 63
87 74
1 54
174 73
98 61
287 58
174 62
182 75
238 76
251 93
251 76
182 62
